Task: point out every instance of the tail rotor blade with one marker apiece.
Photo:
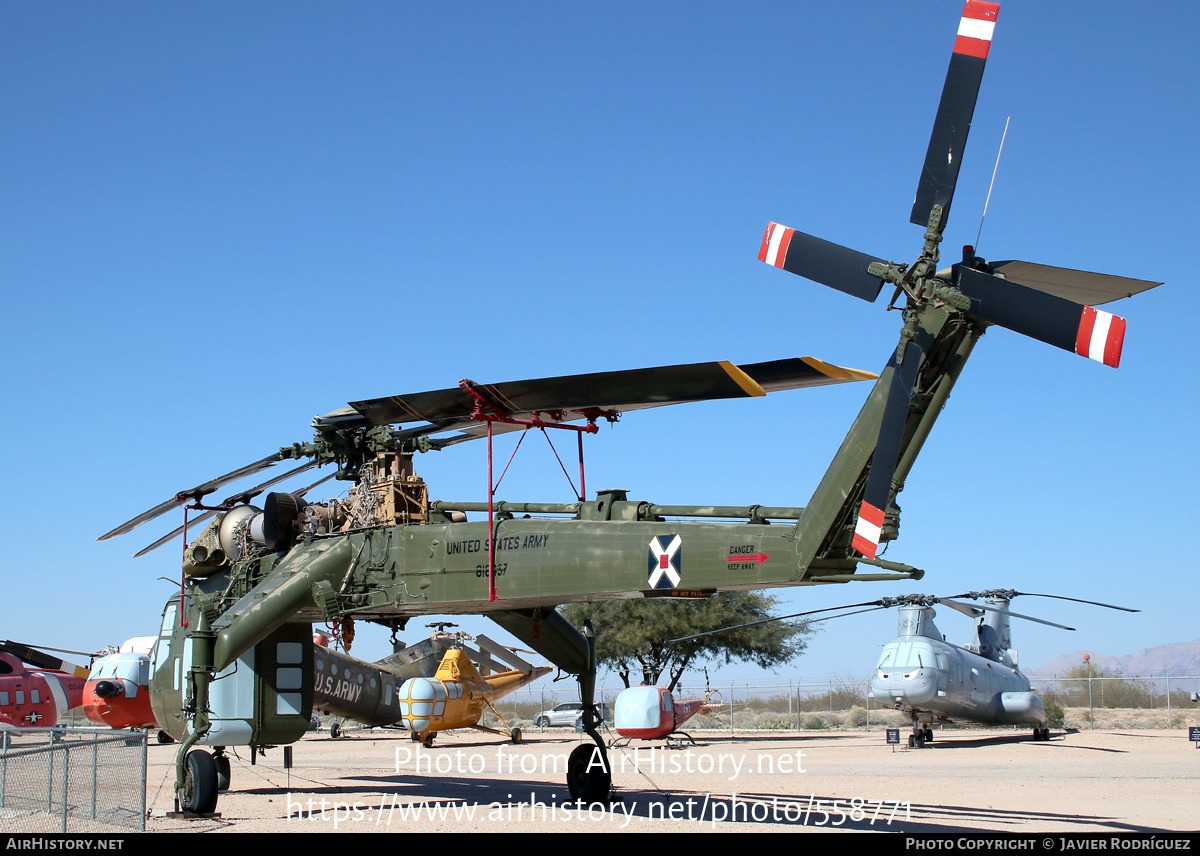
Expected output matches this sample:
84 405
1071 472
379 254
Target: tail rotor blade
878 488
957 107
1089 332
821 261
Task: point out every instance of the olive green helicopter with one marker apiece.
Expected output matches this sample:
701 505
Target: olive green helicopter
233 664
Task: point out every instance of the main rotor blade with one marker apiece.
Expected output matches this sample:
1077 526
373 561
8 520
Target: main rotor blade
878 488
1091 333
237 499
820 260
562 399
944 156
192 495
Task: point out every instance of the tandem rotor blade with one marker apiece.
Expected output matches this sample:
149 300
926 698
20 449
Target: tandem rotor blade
1009 594
878 488
821 261
1088 332
939 175
192 495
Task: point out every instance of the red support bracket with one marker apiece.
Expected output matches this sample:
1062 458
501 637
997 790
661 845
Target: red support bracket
487 410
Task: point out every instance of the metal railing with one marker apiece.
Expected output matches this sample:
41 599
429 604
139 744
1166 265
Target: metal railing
72 779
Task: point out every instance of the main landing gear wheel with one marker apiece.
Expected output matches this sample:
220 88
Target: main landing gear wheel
916 741
516 736
588 779
199 792
222 762
335 730
1041 734
428 741
928 735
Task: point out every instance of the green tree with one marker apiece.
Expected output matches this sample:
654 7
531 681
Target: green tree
1110 689
632 634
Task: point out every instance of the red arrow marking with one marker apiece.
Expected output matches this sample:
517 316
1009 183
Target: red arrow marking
760 558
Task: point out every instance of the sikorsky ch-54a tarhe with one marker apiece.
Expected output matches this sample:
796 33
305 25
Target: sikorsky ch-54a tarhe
255 580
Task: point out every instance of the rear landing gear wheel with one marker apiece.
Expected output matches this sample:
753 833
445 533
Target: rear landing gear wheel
335 730
588 777
516 736
199 792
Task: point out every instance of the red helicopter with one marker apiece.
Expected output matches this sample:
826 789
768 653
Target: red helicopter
36 688
649 713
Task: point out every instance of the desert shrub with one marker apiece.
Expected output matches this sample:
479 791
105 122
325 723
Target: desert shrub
814 723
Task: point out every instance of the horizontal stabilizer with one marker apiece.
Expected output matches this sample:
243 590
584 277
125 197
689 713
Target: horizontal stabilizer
1079 286
503 653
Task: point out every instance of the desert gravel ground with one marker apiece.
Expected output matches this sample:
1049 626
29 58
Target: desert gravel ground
378 781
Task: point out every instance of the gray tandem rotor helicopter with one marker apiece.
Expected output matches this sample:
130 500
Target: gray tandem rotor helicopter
234 658
920 672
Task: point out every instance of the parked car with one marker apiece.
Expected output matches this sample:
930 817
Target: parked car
567 714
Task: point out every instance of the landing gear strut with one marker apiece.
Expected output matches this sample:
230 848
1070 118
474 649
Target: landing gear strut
589 777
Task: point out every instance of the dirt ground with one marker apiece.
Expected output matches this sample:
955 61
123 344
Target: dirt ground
373 781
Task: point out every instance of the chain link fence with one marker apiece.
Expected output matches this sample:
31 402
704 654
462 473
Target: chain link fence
844 701
72 780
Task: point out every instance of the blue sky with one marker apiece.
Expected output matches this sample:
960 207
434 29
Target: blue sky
220 219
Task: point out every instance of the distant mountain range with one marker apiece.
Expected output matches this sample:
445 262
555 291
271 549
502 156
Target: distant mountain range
1177 658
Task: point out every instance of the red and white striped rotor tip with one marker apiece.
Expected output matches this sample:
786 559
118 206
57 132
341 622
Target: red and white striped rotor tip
775 244
1101 336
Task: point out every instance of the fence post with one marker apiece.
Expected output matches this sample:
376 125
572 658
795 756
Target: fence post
1091 708
95 753
66 777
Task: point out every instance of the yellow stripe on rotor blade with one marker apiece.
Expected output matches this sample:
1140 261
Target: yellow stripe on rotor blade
838 372
748 384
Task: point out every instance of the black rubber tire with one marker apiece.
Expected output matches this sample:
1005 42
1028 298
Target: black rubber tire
222 762
542 722
428 741
928 735
165 738
335 730
516 736
199 792
588 785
